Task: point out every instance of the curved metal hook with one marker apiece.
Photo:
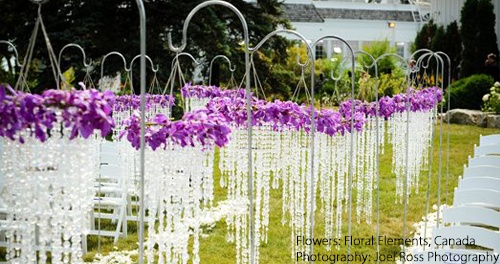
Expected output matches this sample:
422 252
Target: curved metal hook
176 58
424 61
362 52
290 32
14 49
429 56
231 68
351 153
110 54
191 15
248 102
147 58
341 69
406 63
343 59
85 64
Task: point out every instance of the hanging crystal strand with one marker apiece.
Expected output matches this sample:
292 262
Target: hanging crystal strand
371 167
258 153
41 198
270 148
286 175
295 191
341 176
359 172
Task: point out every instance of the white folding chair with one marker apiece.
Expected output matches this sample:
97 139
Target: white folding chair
489 140
471 215
477 197
483 237
111 194
481 171
487 183
484 161
486 150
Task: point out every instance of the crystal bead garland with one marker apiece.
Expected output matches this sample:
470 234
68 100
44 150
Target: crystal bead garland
366 167
234 176
178 185
48 197
419 144
262 172
195 103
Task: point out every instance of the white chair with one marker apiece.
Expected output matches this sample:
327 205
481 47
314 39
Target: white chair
484 161
487 183
111 194
477 197
489 139
471 215
482 237
481 171
486 150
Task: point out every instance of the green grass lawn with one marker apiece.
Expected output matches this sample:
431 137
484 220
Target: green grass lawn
215 249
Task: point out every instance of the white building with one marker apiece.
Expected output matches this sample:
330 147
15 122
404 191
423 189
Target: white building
358 22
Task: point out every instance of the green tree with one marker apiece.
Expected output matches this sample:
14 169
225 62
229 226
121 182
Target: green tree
112 25
478 36
425 36
452 46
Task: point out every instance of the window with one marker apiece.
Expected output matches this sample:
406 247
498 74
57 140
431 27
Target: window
401 48
320 50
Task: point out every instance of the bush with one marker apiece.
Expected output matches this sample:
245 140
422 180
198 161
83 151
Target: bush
492 100
468 92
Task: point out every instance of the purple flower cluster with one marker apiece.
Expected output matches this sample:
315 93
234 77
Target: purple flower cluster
201 91
420 100
283 115
133 102
211 125
83 111
201 126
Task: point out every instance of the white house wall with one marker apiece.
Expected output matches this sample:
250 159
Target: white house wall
360 30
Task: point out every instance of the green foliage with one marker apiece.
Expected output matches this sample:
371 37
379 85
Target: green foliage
439 38
425 36
468 92
388 64
104 26
478 36
69 78
388 85
491 101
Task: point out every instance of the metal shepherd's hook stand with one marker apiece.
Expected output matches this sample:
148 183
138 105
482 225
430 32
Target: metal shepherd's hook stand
303 65
448 102
248 97
351 154
374 65
407 138
423 62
